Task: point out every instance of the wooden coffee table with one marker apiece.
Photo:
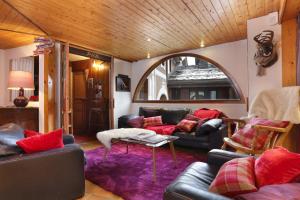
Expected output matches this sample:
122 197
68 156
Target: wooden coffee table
169 140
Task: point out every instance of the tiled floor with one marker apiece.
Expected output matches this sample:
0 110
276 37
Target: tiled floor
92 191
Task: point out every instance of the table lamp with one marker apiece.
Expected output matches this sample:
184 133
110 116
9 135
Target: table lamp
20 80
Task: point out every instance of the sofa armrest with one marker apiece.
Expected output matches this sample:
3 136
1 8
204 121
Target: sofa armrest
219 157
68 139
216 137
185 192
122 121
53 174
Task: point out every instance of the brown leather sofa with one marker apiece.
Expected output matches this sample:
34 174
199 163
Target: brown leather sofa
55 174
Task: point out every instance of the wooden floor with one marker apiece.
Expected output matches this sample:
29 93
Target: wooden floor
92 191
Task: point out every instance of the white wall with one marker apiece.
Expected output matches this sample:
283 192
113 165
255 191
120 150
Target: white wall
18 52
2 78
273 77
232 56
122 99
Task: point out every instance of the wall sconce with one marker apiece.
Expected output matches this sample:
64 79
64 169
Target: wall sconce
98 66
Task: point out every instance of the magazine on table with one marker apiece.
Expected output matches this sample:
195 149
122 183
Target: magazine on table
150 138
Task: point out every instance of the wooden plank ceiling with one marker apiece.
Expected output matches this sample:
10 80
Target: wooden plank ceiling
15 29
124 28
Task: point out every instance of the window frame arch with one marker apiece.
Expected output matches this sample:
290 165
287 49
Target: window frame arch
216 101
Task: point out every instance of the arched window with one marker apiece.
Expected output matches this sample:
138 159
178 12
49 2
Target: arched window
187 77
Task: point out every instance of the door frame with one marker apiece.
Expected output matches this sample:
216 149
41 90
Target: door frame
69 48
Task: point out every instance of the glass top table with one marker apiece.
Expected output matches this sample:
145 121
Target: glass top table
169 140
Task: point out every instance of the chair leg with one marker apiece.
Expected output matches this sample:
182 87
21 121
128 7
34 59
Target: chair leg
224 146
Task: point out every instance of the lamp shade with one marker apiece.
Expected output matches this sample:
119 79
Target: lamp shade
20 79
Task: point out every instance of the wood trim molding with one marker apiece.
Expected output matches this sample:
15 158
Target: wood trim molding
156 64
289 52
281 10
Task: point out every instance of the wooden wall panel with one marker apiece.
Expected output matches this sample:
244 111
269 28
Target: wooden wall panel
291 9
289 52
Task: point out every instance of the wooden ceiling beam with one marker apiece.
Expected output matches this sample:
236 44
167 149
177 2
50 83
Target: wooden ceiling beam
281 10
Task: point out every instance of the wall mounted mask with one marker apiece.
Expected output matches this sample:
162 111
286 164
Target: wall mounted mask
266 54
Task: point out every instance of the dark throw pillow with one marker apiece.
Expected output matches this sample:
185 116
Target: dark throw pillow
173 116
149 112
137 122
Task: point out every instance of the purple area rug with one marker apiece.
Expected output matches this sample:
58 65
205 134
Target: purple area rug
130 175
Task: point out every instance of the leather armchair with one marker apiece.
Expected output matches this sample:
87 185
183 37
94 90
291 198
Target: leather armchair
194 182
55 174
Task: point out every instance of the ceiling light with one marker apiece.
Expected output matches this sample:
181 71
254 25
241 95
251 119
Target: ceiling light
149 39
148 55
202 44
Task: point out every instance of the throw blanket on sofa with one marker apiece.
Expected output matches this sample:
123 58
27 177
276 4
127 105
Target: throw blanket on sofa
277 104
105 137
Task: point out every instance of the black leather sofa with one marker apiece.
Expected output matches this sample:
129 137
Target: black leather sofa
209 136
194 182
55 174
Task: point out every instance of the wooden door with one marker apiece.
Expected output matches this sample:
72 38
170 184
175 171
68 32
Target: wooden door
79 103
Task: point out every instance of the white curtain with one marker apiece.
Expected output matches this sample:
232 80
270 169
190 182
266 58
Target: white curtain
22 64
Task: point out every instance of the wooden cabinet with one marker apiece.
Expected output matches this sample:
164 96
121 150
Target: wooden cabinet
27 118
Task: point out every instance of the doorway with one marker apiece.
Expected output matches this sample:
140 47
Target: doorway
89 96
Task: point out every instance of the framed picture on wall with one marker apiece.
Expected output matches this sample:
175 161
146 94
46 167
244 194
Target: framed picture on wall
122 83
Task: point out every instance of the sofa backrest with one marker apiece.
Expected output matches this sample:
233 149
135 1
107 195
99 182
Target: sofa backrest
169 116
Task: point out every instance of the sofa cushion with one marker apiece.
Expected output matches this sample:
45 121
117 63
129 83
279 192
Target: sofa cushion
6 150
152 121
191 136
173 116
277 166
137 122
163 129
10 134
42 142
186 125
208 127
271 192
235 177
149 112
246 135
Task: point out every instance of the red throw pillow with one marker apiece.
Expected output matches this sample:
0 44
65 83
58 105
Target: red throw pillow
246 135
30 133
235 177
277 166
204 113
192 117
186 125
163 130
42 142
137 122
153 121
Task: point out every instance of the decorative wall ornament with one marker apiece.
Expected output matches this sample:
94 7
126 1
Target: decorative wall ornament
44 45
266 54
122 83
